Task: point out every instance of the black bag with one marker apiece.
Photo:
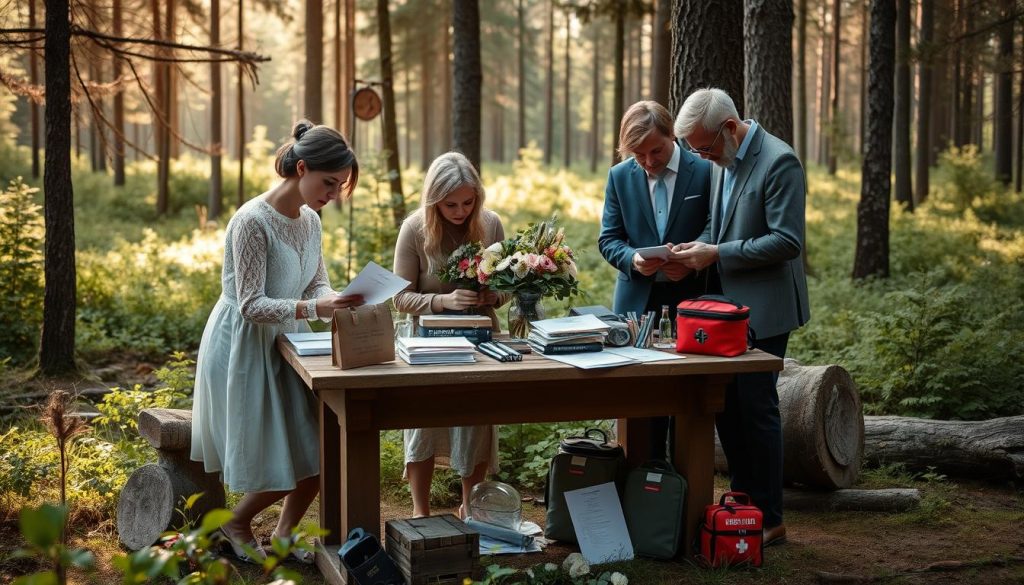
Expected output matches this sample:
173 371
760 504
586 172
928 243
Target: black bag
580 462
653 503
367 561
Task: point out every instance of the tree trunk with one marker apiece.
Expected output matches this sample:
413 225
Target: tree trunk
833 117
57 340
216 198
638 56
924 101
549 85
119 141
398 211
313 33
567 121
618 99
661 52
884 500
904 192
161 124
1004 98
498 132
768 78
966 78
407 106
595 99
426 105
1020 127
706 41
521 72
240 108
339 83
171 87
468 79
801 82
865 21
991 449
33 72
448 136
872 252
350 71
824 88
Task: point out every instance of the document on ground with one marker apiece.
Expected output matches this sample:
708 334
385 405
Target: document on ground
600 526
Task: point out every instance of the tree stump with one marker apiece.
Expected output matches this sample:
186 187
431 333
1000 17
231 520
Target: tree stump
885 500
153 499
822 427
989 449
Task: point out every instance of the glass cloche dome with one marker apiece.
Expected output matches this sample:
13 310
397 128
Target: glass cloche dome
496 503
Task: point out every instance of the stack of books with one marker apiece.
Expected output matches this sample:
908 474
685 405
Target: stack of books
476 328
314 343
578 334
435 350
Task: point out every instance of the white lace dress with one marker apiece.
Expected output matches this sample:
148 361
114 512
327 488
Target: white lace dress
253 420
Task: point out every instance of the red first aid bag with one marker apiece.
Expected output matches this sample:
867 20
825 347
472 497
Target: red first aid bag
732 532
712 325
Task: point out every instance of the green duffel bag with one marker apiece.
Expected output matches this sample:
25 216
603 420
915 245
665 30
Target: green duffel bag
653 504
580 462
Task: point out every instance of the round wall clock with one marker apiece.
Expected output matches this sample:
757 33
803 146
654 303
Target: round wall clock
366 103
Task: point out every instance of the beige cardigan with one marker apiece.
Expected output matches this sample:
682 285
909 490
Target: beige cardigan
412 264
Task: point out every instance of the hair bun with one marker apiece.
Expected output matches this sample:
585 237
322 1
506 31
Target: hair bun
301 127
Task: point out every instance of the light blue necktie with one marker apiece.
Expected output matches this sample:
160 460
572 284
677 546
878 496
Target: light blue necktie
728 182
661 205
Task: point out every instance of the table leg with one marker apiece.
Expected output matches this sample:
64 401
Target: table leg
359 492
330 474
634 434
694 453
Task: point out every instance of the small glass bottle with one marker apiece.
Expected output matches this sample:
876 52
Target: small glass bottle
665 340
403 326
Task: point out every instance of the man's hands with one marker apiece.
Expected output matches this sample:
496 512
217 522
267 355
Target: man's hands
695 255
462 298
672 268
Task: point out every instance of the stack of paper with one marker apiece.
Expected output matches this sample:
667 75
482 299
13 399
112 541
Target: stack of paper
435 350
311 343
577 334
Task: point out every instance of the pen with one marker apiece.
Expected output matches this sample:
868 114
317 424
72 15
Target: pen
487 351
512 353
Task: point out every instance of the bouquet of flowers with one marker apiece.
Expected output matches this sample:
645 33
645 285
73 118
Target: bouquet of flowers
462 267
535 260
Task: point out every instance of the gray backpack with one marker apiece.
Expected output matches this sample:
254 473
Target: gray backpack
580 462
653 505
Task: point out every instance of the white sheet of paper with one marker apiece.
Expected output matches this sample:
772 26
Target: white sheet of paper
600 526
574 324
644 355
376 284
591 359
653 252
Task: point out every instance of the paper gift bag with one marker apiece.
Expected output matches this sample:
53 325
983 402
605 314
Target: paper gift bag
362 336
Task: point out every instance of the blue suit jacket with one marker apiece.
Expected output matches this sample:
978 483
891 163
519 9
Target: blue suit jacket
628 224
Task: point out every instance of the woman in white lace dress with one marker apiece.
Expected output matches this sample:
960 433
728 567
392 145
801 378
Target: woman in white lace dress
253 420
451 213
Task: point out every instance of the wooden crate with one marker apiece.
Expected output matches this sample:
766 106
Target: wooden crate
439 550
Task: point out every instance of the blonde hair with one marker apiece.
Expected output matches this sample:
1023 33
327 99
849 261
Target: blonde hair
639 121
447 173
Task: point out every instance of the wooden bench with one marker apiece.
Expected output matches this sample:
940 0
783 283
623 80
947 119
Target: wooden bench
153 500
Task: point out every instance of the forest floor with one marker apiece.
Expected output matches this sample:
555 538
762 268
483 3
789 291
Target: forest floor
964 532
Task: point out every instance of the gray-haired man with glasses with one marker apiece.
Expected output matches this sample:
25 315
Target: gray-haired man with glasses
755 235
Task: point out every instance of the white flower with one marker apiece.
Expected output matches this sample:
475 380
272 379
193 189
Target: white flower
496 248
572 269
550 567
529 573
504 263
486 265
521 268
579 569
619 579
572 559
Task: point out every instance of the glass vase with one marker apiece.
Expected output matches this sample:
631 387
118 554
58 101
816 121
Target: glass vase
525 308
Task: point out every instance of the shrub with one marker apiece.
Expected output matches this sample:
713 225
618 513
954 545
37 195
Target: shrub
21 270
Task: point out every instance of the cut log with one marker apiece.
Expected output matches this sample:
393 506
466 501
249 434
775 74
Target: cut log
886 500
822 427
991 449
150 501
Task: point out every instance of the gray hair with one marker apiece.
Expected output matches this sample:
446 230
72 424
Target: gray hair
709 107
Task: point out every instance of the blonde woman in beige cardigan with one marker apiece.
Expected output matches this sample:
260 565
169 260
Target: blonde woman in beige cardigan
451 213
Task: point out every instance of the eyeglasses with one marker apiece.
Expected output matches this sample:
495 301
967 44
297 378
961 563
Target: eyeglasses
710 147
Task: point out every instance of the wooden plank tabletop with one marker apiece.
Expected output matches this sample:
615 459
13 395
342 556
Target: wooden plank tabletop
319 375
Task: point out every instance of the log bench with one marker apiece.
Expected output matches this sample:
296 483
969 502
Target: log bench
153 500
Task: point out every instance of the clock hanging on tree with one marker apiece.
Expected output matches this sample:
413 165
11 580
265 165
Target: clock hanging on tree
366 104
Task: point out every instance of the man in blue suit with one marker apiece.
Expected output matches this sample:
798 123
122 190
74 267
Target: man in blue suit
755 236
657 197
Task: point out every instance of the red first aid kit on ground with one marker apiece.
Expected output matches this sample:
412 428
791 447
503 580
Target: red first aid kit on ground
732 532
712 325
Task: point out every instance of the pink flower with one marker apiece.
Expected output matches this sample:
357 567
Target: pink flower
464 265
548 265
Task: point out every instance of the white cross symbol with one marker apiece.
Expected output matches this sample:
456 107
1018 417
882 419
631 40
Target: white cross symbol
742 546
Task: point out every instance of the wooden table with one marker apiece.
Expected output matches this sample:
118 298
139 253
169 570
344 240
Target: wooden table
356 404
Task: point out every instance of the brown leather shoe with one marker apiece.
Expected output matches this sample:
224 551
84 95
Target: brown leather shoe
775 535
